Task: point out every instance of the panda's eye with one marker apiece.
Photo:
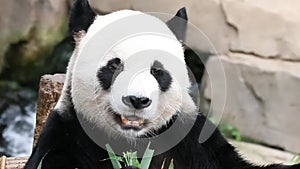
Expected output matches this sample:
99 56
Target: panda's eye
156 71
114 64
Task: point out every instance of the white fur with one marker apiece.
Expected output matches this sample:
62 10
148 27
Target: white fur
137 54
63 103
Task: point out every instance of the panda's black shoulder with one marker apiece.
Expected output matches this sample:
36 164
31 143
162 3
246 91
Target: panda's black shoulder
215 151
205 131
66 143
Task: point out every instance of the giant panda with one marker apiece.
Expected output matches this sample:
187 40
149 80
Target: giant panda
64 142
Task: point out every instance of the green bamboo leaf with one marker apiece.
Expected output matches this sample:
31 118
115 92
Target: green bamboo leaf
135 160
171 166
147 157
131 159
126 161
40 164
296 159
163 164
114 159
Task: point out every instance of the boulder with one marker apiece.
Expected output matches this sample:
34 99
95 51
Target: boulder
262 97
206 15
265 29
257 27
14 26
262 155
29 30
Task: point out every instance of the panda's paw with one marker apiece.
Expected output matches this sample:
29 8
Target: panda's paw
130 167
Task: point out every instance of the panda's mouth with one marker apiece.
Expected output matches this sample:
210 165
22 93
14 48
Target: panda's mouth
130 122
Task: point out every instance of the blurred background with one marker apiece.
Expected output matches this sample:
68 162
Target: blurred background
257 42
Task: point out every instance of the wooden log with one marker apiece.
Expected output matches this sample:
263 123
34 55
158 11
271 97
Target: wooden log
12 162
49 92
3 160
15 162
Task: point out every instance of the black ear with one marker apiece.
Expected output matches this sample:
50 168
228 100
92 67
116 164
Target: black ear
178 24
82 16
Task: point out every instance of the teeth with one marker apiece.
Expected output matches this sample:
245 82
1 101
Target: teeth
133 123
141 121
138 122
124 120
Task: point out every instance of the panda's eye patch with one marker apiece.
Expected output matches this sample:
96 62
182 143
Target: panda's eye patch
162 76
107 74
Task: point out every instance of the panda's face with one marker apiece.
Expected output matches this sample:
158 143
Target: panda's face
138 87
134 96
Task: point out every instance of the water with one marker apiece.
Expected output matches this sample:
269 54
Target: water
18 133
17 120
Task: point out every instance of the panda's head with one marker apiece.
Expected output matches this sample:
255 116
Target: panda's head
137 86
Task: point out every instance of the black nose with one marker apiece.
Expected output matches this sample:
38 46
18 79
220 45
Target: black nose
136 102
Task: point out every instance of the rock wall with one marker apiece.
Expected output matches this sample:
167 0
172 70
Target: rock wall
29 30
256 27
262 98
260 51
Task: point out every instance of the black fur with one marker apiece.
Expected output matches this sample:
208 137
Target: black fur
82 16
178 24
162 76
107 74
64 145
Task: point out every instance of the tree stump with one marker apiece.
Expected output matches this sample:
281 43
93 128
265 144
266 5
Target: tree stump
49 92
